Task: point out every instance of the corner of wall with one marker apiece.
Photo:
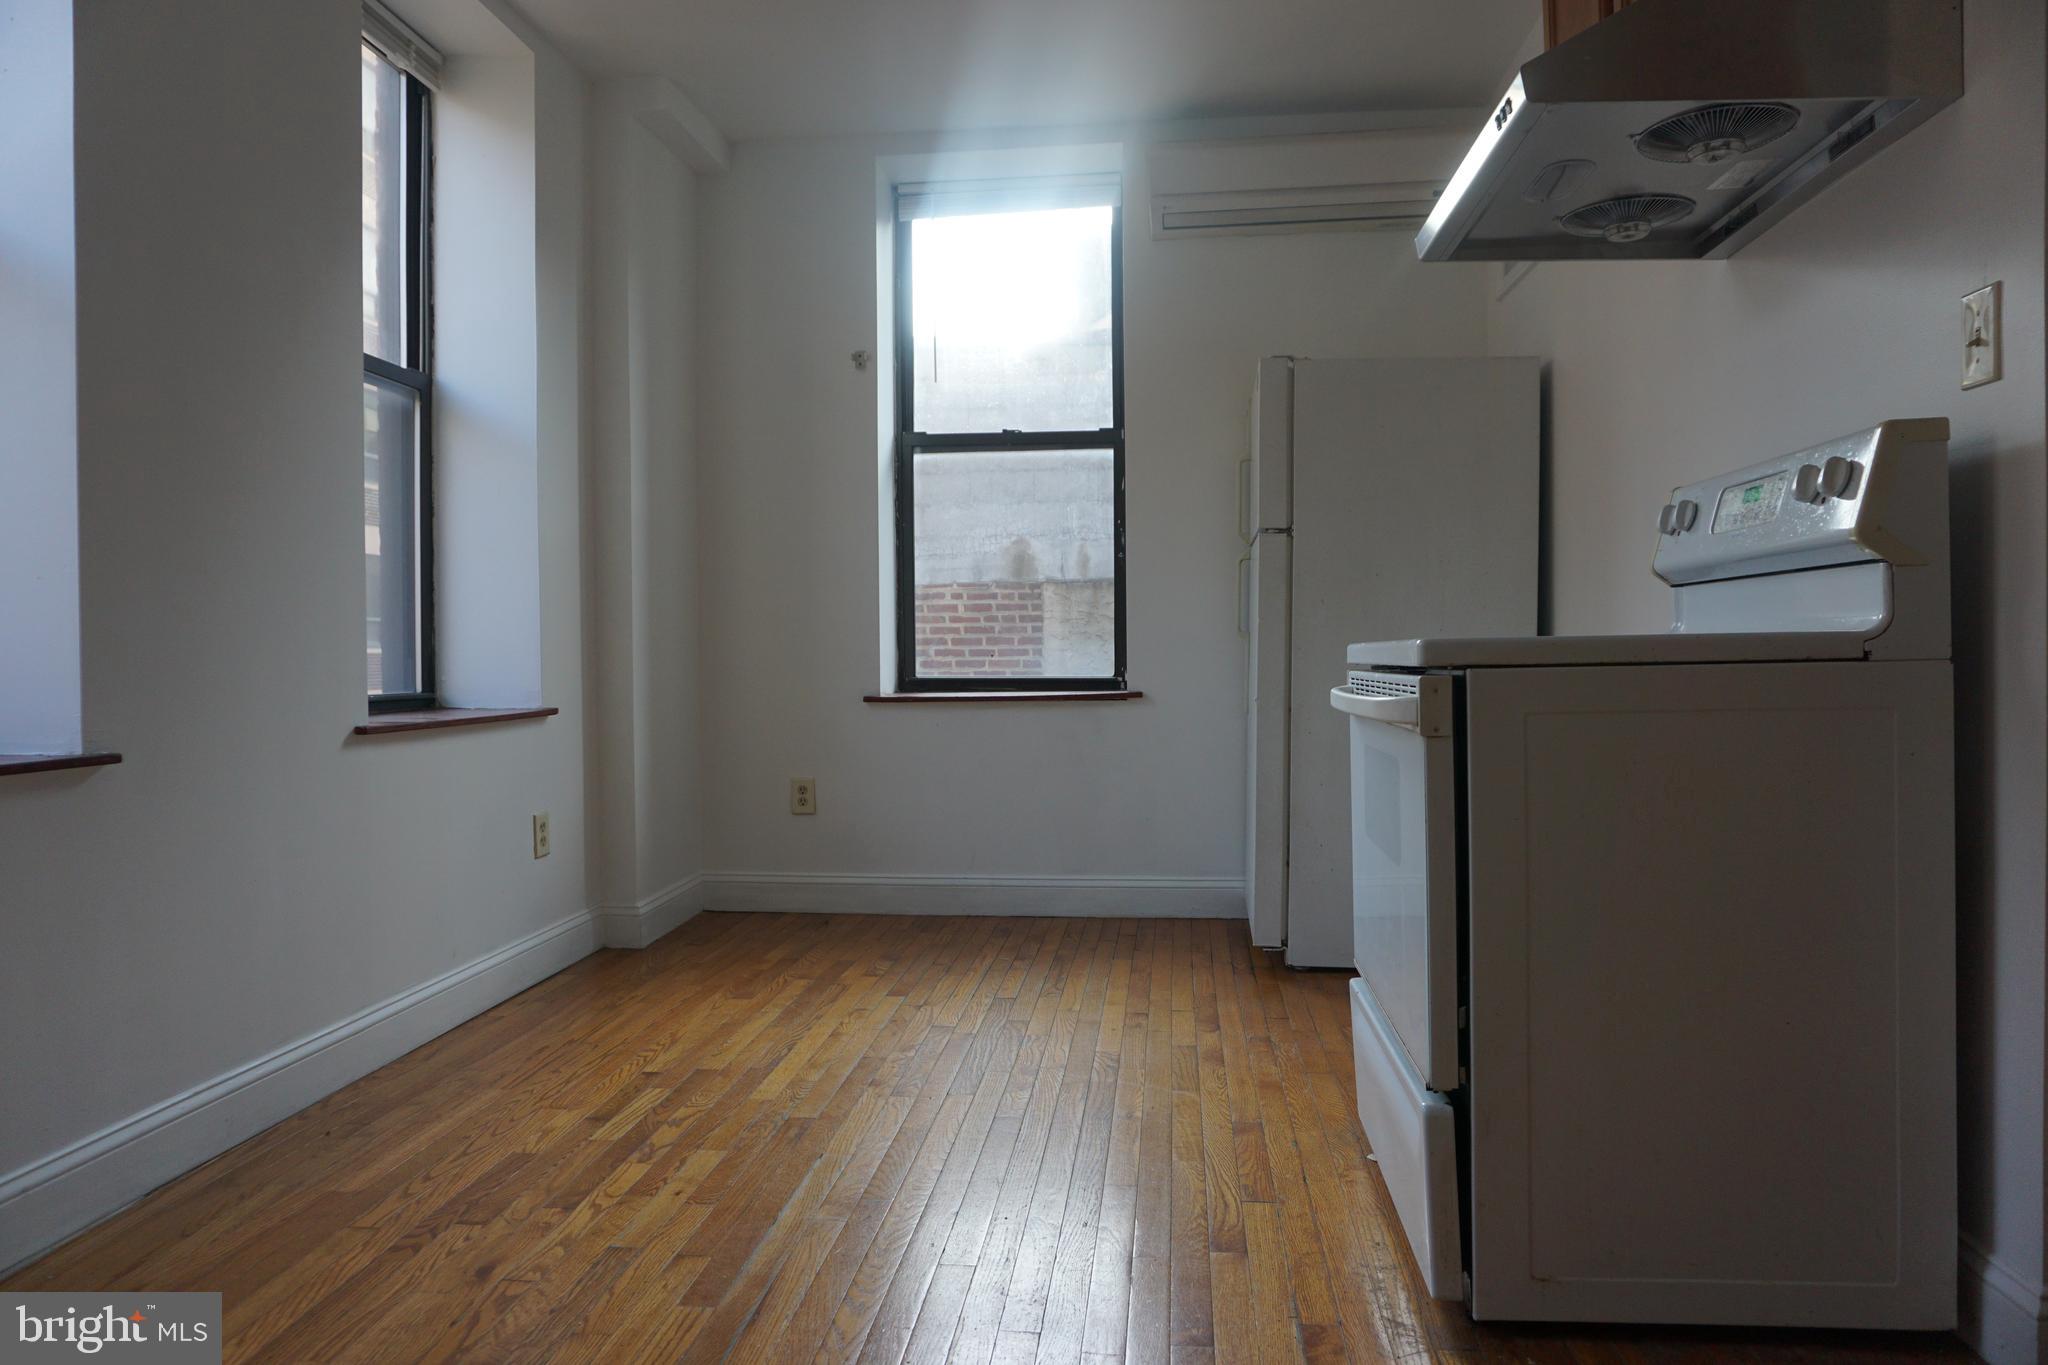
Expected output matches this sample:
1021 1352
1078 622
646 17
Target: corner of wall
644 572
2000 1317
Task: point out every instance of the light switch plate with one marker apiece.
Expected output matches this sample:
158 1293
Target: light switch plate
1983 348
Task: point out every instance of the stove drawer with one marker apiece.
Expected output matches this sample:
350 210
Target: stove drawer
1414 1136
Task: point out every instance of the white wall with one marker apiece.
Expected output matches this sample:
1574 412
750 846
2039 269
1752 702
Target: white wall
642 518
1843 315
39 680
1100 792
252 877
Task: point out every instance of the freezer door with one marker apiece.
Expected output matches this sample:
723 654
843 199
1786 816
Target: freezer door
1266 693
1267 501
1404 887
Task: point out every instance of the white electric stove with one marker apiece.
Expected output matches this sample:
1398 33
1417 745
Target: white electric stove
1655 1015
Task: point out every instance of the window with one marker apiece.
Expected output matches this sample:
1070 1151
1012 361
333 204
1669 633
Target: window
398 540
41 691
1010 441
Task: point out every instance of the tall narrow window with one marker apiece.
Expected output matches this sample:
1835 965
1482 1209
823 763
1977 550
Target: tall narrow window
1010 446
397 386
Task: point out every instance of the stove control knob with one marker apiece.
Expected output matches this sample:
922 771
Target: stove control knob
1688 514
1667 520
1837 476
1806 485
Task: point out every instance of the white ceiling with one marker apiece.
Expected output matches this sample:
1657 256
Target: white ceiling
789 68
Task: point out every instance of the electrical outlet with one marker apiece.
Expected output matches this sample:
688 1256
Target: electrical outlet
803 796
540 835
1983 347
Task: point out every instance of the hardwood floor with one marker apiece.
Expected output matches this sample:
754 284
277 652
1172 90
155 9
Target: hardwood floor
841 1138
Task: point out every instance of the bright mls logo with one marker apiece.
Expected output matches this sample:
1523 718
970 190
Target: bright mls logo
171 1328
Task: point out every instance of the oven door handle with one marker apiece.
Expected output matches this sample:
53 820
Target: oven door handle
1406 712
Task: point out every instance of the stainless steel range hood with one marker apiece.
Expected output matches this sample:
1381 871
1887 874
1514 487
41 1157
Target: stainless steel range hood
1682 129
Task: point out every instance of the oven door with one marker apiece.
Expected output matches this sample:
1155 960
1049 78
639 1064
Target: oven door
1404 860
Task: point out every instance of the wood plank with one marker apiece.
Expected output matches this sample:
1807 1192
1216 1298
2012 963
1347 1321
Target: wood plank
1189 1307
1231 1307
1109 1286
1273 1337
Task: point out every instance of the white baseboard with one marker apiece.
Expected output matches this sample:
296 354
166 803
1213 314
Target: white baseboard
49 1199
2003 1318
636 926
866 894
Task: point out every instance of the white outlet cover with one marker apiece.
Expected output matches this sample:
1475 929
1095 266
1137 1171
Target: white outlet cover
1983 346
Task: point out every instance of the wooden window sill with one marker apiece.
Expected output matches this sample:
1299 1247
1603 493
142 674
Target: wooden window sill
11 764
893 697
447 718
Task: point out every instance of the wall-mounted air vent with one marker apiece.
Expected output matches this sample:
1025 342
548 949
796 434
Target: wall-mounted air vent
1334 182
1335 206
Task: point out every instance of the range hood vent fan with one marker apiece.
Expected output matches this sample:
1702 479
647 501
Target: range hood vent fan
1627 219
1715 132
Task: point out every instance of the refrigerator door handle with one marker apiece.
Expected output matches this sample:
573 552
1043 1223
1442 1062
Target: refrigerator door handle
1244 596
1245 530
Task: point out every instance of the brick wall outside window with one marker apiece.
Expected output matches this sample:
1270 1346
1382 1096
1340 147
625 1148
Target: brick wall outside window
980 628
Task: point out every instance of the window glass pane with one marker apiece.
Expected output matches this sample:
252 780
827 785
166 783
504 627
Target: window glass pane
1015 564
1010 321
383 204
390 537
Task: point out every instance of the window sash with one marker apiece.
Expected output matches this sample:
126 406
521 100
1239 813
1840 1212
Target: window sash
402 44
421 387
416 371
945 199
911 442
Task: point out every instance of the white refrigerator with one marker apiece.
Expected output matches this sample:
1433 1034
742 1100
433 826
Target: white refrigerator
1382 499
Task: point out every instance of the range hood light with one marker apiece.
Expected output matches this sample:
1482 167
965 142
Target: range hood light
1556 180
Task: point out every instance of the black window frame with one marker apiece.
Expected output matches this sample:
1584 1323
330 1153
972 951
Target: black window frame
910 442
417 371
